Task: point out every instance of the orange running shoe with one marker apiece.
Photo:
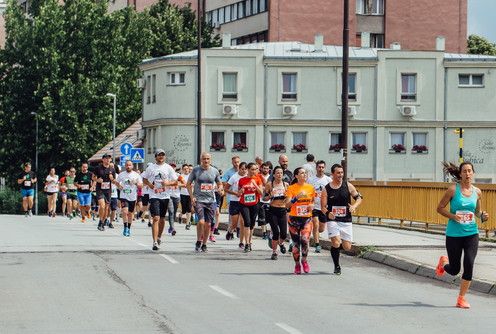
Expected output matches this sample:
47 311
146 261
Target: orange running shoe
83 220
440 267
462 303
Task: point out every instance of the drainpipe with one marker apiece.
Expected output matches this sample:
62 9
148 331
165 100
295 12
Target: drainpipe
265 112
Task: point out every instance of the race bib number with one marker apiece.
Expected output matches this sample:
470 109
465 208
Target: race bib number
467 217
158 190
72 186
127 191
105 185
85 187
279 192
53 187
339 211
172 187
318 195
302 210
27 183
249 198
207 187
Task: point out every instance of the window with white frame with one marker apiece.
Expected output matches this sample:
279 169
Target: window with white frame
151 140
352 91
149 90
227 14
289 92
248 7
359 141
176 78
471 80
229 86
234 11
221 15
408 87
361 6
218 140
419 140
277 140
154 88
335 139
239 140
377 7
397 140
299 140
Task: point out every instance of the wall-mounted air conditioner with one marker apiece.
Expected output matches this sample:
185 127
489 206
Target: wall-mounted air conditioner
408 110
289 110
229 109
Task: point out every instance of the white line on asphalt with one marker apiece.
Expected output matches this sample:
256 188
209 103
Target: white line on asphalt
288 328
168 258
222 291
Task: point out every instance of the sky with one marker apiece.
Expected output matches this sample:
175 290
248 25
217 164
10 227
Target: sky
481 20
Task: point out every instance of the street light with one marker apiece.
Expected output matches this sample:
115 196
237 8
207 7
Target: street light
37 170
115 105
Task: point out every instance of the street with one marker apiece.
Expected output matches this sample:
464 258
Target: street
62 276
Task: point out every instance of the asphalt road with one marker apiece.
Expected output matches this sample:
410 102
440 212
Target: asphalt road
61 276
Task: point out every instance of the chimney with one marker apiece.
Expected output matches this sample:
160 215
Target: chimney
395 46
365 40
440 43
318 43
226 40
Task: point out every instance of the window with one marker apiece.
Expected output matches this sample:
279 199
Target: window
255 7
227 14
248 7
263 6
215 17
377 41
289 86
377 7
234 11
148 90
335 139
151 140
239 140
359 138
241 10
221 15
277 141
361 6
230 86
471 80
352 93
176 78
397 141
419 140
154 88
218 142
209 17
408 87
299 141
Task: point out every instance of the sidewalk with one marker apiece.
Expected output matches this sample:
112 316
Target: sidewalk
413 251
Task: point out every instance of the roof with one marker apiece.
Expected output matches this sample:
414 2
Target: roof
299 51
130 135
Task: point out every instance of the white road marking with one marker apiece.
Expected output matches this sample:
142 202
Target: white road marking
288 328
222 291
168 258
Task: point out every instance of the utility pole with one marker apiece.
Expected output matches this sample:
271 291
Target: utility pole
199 92
344 90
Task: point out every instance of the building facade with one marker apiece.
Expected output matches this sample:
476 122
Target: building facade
284 97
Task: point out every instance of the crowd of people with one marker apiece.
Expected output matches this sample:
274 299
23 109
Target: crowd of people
298 204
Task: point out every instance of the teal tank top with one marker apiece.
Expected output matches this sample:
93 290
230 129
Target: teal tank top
464 206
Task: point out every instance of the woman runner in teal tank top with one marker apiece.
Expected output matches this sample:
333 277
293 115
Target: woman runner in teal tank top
462 234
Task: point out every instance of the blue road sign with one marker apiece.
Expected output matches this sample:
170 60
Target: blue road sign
126 148
123 159
138 155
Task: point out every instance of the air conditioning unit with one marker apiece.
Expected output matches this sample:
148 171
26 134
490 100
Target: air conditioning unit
352 111
408 110
217 25
140 134
289 110
141 83
229 109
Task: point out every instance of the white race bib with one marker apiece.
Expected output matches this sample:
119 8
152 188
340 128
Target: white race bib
467 217
27 183
339 211
85 187
206 187
302 210
105 185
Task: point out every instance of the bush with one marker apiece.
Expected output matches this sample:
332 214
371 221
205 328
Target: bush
10 201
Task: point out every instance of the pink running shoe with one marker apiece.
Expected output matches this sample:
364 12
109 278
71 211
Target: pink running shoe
212 238
306 267
297 269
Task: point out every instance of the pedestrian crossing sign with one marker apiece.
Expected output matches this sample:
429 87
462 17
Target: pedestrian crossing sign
138 155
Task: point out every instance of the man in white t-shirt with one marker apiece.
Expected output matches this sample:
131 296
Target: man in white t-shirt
185 199
310 167
128 181
158 177
319 181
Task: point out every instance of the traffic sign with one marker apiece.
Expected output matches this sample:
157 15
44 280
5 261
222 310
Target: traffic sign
138 155
126 148
123 159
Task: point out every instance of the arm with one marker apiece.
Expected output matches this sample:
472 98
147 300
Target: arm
356 196
483 215
323 205
220 187
441 207
268 196
189 186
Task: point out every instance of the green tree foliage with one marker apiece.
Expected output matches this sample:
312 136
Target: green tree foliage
60 61
480 46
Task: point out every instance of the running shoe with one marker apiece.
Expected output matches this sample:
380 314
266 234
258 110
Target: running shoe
88 216
143 220
216 231
169 230
149 224
247 248
188 226
54 215
173 232
30 213
297 269
204 249
159 241
101 227
462 303
128 232
282 248
212 238
155 246
318 249
290 248
83 220
269 242
337 270
197 246
110 225
440 267
306 267
69 216
237 232
49 213
107 222
229 235
124 233
241 245
274 256
26 214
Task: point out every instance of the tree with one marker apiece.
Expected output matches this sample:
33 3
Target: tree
480 46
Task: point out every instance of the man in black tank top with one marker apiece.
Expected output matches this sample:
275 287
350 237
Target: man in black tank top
336 206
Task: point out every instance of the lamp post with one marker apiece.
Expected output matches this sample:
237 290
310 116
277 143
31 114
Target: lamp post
36 164
115 106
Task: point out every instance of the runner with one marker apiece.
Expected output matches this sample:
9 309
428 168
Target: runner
203 197
336 206
185 199
299 198
235 161
72 199
27 180
114 200
263 208
250 189
128 182
51 190
287 175
174 194
104 176
85 186
275 191
462 234
63 193
319 181
234 205
310 166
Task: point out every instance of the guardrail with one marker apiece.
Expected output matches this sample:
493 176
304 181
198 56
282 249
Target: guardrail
416 202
